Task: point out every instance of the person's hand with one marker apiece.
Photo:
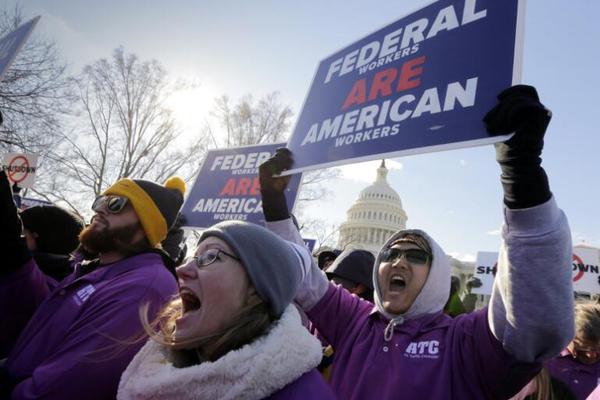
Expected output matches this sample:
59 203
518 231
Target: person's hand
473 282
281 161
12 245
11 223
272 186
519 110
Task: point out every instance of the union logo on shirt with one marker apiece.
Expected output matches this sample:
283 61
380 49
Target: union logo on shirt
83 294
423 349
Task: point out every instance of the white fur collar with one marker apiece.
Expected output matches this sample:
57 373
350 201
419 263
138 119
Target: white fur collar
254 371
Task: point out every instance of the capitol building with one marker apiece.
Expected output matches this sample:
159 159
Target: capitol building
376 215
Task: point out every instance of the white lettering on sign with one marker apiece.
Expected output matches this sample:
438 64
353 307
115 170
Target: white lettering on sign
239 161
423 349
405 38
359 125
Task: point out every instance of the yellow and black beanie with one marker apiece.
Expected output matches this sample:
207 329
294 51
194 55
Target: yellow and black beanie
156 206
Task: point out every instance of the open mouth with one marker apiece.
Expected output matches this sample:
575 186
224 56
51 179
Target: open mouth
190 301
397 283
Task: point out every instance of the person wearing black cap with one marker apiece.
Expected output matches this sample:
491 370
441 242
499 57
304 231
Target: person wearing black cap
353 269
80 331
52 234
232 332
326 258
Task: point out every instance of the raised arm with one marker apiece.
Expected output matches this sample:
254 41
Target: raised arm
272 188
531 311
23 286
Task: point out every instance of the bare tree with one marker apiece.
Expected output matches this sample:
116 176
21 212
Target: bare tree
267 121
123 129
247 122
34 92
325 234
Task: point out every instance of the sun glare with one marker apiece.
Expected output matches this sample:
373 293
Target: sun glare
191 106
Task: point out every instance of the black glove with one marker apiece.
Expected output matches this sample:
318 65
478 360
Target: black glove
272 188
12 245
473 282
523 179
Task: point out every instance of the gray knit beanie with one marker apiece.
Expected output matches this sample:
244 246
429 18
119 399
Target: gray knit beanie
271 263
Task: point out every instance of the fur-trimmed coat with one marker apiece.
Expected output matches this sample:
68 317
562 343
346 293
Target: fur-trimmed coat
278 365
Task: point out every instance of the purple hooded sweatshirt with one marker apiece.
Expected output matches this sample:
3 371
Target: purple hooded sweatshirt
82 335
581 378
423 354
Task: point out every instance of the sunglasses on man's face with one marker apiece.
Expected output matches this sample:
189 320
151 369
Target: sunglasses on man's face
113 204
413 256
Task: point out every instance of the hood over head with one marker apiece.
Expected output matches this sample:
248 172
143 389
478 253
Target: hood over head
434 293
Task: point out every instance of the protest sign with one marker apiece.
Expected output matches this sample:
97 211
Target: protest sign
28 202
310 244
11 44
485 270
586 270
227 187
20 168
420 84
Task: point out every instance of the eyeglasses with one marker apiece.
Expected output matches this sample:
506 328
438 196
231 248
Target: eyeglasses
210 256
114 204
413 256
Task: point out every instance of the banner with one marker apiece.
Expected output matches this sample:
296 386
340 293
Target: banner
27 202
227 187
310 244
586 270
11 44
485 270
585 267
20 168
420 84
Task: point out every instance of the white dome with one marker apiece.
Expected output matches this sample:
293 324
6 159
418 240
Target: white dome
374 216
380 190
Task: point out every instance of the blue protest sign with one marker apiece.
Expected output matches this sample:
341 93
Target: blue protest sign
310 244
227 187
11 44
420 84
27 202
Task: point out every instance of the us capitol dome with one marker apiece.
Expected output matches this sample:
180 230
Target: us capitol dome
374 216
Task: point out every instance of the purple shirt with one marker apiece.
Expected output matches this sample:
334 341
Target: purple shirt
83 335
309 386
431 357
581 378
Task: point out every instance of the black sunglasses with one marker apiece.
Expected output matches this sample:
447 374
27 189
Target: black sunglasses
210 256
114 204
413 256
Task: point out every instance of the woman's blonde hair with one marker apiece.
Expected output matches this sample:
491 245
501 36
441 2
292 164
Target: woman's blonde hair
252 321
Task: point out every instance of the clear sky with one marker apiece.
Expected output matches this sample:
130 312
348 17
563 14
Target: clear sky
238 47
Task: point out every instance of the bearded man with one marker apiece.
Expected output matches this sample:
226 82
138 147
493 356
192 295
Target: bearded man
83 331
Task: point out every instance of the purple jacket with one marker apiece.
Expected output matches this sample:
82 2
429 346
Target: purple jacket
431 357
86 331
489 354
308 387
582 379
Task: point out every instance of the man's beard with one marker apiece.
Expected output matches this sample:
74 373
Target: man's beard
109 239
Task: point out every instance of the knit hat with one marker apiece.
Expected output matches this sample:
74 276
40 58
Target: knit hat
271 263
57 229
354 265
156 206
327 255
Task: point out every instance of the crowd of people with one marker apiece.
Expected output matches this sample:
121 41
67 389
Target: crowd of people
114 309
